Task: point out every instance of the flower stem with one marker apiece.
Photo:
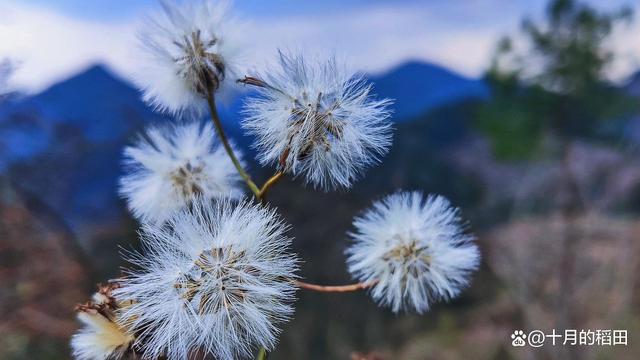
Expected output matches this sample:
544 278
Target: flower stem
225 142
270 182
262 354
338 288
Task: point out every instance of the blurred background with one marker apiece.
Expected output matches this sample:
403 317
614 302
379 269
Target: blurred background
526 114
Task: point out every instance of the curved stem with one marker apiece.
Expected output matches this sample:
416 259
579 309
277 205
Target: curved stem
225 142
270 182
334 288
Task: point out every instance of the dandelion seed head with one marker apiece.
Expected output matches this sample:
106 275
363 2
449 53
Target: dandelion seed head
317 120
414 249
171 165
187 49
216 277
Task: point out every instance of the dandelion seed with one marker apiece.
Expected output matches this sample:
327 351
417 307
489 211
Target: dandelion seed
317 120
215 278
414 249
187 54
171 166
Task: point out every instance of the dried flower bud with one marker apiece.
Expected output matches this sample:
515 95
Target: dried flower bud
102 336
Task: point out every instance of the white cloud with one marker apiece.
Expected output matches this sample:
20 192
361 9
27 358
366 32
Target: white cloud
626 44
376 38
51 46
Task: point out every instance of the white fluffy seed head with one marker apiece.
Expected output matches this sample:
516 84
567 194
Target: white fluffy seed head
187 49
317 120
170 165
414 249
216 277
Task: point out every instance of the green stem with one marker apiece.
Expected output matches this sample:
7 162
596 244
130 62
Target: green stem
225 142
262 354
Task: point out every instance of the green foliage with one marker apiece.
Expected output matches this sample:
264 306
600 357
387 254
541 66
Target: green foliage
553 83
571 45
514 119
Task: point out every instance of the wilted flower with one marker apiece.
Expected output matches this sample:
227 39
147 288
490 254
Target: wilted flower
318 120
216 277
102 337
170 165
187 55
413 249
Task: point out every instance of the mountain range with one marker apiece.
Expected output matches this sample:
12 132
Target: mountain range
418 87
95 101
66 141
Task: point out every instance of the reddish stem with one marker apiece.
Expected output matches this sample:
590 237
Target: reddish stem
334 288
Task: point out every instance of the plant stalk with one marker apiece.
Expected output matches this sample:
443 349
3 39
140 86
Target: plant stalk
225 142
334 288
269 183
262 354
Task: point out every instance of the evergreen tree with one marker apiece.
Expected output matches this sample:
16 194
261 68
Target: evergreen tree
553 83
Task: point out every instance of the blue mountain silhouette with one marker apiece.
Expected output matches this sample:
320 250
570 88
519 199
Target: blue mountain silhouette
419 87
95 102
105 108
632 85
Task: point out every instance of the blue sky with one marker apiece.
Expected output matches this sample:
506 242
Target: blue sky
52 39
461 12
117 9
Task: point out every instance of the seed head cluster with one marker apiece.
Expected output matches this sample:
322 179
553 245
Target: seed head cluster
214 277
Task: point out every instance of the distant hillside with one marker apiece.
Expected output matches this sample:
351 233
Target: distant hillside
95 103
419 87
65 143
95 100
633 84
